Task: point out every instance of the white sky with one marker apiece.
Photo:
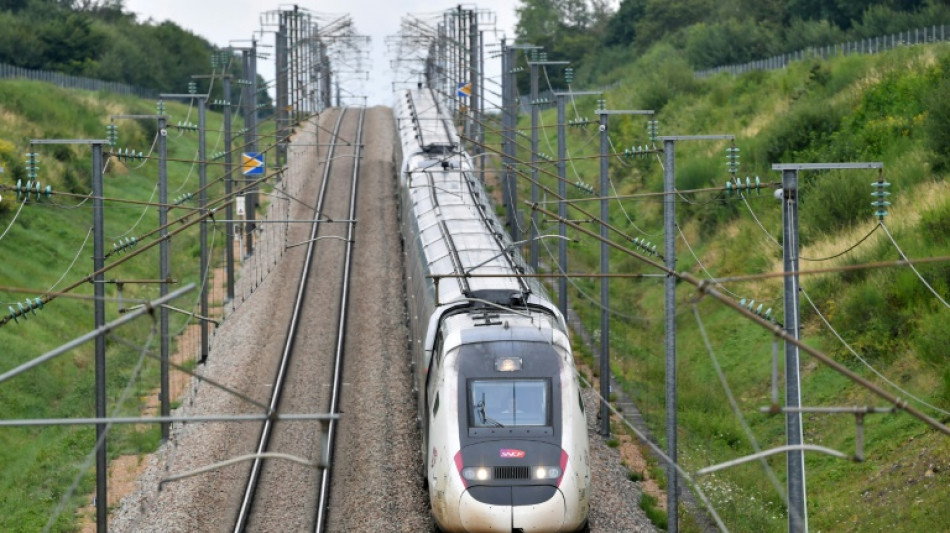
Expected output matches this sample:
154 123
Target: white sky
223 21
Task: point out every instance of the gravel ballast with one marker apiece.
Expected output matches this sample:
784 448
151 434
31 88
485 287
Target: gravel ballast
376 482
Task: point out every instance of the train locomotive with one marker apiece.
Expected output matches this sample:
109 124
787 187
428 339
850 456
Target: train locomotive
504 435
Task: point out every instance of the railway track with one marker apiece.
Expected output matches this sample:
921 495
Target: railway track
265 500
375 484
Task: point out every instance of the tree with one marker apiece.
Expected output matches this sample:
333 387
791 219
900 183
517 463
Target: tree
539 21
620 29
665 17
13 5
70 43
574 14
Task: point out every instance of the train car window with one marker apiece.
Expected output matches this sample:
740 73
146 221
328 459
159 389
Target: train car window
509 403
435 405
580 399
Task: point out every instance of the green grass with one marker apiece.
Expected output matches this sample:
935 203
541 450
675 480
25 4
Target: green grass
855 108
39 464
650 506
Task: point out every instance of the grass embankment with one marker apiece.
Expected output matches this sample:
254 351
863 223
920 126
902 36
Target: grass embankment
887 108
38 464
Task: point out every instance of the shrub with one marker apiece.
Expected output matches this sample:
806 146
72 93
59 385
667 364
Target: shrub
801 34
666 74
933 338
833 202
937 122
936 221
808 124
729 42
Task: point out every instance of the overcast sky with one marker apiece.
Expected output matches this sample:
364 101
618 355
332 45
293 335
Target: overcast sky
224 21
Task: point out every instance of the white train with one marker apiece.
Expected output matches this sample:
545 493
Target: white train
504 434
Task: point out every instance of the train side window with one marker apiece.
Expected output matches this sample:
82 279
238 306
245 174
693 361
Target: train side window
581 400
435 405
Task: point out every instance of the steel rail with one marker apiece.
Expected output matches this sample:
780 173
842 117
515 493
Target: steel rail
250 489
322 505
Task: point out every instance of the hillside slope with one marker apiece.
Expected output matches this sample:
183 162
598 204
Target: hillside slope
46 245
887 108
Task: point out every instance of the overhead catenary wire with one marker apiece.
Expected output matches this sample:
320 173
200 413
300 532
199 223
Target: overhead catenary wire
700 493
183 224
864 361
707 288
736 411
572 161
73 262
91 456
910 264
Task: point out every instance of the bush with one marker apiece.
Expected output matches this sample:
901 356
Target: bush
809 124
933 338
883 20
937 121
729 42
833 202
802 34
936 221
665 73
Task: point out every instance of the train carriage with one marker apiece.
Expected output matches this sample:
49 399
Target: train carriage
503 427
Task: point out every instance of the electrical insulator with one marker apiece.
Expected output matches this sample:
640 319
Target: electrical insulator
112 134
653 130
732 159
880 194
31 166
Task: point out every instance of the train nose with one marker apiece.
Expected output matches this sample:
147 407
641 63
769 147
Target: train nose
477 517
547 516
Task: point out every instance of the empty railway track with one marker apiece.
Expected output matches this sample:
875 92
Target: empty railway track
308 377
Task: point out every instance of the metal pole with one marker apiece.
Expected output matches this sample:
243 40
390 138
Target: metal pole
228 185
604 283
562 205
281 89
202 203
164 266
510 114
505 159
99 312
250 204
534 245
247 110
669 229
795 460
473 68
480 126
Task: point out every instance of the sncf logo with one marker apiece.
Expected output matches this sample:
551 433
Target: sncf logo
505 453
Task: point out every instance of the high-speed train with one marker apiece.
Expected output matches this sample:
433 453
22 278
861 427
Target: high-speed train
504 434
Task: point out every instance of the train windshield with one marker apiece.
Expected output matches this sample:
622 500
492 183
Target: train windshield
506 403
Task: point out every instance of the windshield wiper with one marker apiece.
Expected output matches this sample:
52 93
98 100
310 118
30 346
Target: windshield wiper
480 407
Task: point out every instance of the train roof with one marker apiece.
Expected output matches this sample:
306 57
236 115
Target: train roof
422 126
458 230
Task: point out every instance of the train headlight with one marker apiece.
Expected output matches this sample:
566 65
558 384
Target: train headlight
476 474
547 472
508 364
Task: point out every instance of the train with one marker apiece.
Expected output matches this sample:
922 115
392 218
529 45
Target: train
504 433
